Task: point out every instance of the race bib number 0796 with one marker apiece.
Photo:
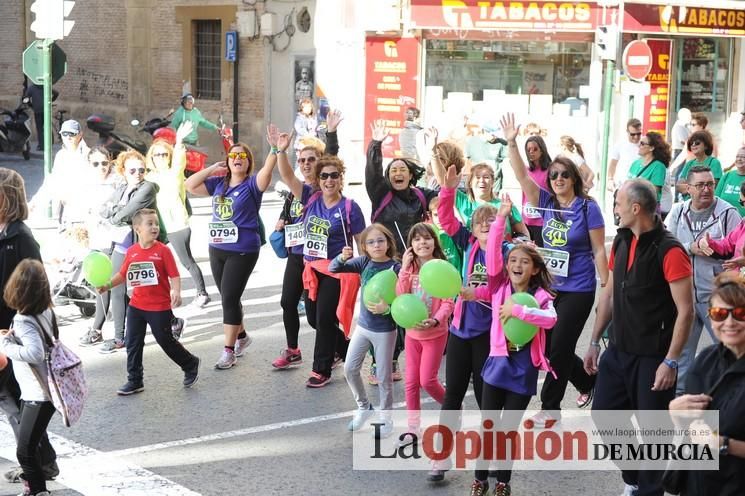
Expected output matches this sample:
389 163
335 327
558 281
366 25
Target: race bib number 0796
142 274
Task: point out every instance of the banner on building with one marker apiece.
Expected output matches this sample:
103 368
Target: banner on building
701 21
657 102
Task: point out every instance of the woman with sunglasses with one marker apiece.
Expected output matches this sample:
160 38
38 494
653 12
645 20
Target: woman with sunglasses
715 383
330 222
234 235
290 221
701 145
166 165
537 169
573 238
133 194
654 157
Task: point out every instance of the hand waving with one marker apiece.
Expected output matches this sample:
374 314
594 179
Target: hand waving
379 131
508 126
333 120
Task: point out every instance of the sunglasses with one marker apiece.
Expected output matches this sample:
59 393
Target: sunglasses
644 143
377 241
634 135
240 155
68 134
103 163
310 160
329 175
696 143
140 170
160 155
555 175
718 314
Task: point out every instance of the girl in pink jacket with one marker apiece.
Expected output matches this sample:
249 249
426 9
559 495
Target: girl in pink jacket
426 342
731 247
510 374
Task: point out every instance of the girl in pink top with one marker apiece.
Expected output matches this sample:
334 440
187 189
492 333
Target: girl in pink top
538 163
425 343
730 247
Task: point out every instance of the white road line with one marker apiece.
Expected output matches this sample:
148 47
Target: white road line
92 473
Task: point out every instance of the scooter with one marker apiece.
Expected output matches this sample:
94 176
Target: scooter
15 130
103 125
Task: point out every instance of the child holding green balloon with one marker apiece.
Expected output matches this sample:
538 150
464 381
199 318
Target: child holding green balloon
375 327
522 301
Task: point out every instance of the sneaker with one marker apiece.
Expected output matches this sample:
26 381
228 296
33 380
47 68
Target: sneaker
191 376
301 308
241 344
479 488
396 375
372 377
437 474
90 338
13 475
406 438
337 361
130 388
201 300
111 346
383 429
177 327
502 489
288 358
541 420
227 360
630 489
317 380
359 418
584 399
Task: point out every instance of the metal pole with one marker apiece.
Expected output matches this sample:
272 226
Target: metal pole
235 92
610 67
46 51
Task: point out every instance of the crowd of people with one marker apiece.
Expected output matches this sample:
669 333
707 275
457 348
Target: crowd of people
657 283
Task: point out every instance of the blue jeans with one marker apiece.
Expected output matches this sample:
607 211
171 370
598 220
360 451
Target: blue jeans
700 321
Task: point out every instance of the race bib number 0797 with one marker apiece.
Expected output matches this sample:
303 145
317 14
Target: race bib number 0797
557 261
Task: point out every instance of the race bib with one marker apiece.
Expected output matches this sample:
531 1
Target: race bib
223 232
142 274
294 235
557 261
530 212
316 245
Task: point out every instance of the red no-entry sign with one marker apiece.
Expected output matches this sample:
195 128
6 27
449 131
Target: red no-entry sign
637 60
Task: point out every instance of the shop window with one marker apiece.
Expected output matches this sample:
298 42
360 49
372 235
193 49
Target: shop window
207 59
516 67
702 68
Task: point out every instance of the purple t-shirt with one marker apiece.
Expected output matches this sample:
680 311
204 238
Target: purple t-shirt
325 226
568 233
476 318
239 205
514 372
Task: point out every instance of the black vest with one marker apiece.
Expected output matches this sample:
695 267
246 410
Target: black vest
644 312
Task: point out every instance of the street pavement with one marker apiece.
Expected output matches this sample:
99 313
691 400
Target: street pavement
250 430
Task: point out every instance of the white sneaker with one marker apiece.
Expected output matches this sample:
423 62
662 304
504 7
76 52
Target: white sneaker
629 490
227 360
359 419
541 420
201 300
383 431
241 344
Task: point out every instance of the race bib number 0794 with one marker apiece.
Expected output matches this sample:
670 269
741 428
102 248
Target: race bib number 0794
223 232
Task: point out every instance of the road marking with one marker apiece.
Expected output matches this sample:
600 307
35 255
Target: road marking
92 472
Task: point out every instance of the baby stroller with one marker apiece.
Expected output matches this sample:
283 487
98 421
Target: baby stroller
65 273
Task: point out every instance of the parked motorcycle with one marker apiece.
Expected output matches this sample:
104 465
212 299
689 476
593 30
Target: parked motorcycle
115 143
15 130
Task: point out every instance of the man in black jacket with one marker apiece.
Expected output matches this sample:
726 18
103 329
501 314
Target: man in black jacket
649 296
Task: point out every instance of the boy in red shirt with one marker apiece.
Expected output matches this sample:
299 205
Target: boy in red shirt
150 270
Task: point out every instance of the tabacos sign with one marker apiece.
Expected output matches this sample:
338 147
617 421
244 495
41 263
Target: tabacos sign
682 19
484 14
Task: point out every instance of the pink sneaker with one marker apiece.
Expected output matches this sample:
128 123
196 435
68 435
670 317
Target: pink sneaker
288 358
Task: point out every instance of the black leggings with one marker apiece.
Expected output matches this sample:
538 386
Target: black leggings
292 291
536 235
181 242
321 315
35 417
511 407
464 359
231 270
572 310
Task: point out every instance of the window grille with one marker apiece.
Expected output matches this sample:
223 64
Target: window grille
207 60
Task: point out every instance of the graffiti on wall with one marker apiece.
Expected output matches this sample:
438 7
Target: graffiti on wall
94 85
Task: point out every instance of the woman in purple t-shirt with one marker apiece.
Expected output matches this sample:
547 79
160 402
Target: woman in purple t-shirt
537 169
573 237
234 234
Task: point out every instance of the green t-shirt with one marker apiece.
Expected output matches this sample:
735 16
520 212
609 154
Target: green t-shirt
451 250
712 163
728 189
654 172
465 208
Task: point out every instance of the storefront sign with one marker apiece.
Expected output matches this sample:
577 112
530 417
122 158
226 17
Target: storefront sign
644 18
656 102
391 81
519 15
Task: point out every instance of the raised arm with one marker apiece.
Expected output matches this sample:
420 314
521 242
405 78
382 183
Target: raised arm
529 187
375 183
195 183
285 169
279 143
332 140
446 208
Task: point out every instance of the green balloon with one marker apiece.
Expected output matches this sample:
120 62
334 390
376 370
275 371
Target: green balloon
440 279
516 330
408 310
97 269
381 286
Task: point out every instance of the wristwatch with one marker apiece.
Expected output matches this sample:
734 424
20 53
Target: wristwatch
724 446
673 364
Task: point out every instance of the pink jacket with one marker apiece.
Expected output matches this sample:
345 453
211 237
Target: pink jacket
499 289
441 308
732 245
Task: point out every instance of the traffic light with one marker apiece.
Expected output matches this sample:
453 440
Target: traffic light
51 18
606 40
